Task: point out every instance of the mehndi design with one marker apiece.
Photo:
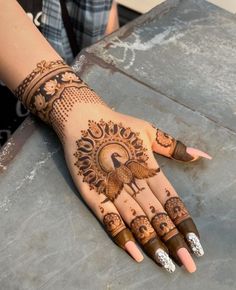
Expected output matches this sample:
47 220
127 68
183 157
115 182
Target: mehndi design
142 229
54 85
176 149
164 226
176 210
110 156
113 223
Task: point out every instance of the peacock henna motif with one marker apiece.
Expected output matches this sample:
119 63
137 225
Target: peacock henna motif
113 223
142 229
176 210
110 156
164 226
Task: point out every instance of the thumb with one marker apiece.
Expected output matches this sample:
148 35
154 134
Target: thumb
166 145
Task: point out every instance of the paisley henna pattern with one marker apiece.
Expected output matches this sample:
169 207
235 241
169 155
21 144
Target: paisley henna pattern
142 229
110 156
176 210
113 223
164 226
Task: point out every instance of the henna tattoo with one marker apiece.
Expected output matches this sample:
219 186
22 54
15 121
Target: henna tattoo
167 192
164 226
51 91
113 223
142 229
176 210
133 211
152 208
165 140
110 156
180 152
101 209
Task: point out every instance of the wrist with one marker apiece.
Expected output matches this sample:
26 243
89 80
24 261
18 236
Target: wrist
51 92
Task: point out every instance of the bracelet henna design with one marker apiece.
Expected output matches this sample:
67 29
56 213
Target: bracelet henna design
110 156
142 229
176 210
164 226
51 91
113 223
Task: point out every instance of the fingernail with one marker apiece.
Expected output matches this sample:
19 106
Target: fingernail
187 260
163 258
195 244
134 251
196 152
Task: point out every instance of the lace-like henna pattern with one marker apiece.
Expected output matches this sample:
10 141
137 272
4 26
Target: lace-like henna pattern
113 223
176 210
54 85
142 229
164 226
110 156
165 140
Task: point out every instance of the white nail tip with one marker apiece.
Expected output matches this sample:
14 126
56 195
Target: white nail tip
162 258
195 244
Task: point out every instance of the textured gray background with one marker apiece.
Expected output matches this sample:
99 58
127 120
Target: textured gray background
176 71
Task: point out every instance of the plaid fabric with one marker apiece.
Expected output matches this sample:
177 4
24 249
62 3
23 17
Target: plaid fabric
88 17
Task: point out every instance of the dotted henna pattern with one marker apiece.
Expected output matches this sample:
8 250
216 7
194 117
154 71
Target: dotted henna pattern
113 223
176 210
164 139
164 226
110 156
142 229
51 91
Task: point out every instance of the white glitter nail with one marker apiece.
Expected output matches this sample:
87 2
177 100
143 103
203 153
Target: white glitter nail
162 258
195 244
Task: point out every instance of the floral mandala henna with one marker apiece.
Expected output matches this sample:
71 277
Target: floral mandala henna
164 139
164 226
113 223
110 156
142 229
176 210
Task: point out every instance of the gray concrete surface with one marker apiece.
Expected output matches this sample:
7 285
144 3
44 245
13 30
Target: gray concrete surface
50 240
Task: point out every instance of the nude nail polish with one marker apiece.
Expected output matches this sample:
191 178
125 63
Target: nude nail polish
134 251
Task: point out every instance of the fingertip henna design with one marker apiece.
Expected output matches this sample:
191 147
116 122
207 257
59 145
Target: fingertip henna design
164 226
142 229
176 209
113 223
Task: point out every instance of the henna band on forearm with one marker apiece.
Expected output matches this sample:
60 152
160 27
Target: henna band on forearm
54 85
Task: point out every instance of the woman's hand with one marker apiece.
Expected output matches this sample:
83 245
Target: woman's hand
110 157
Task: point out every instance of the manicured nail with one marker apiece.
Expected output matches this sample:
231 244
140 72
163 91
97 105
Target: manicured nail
187 260
195 152
195 244
163 258
134 251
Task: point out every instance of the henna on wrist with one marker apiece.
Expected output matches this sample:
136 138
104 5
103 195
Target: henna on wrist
51 90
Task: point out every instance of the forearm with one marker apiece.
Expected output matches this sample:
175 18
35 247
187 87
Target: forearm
22 45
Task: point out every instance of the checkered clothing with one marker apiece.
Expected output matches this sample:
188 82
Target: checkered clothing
88 17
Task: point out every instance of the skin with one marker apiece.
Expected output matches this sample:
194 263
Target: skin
140 204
